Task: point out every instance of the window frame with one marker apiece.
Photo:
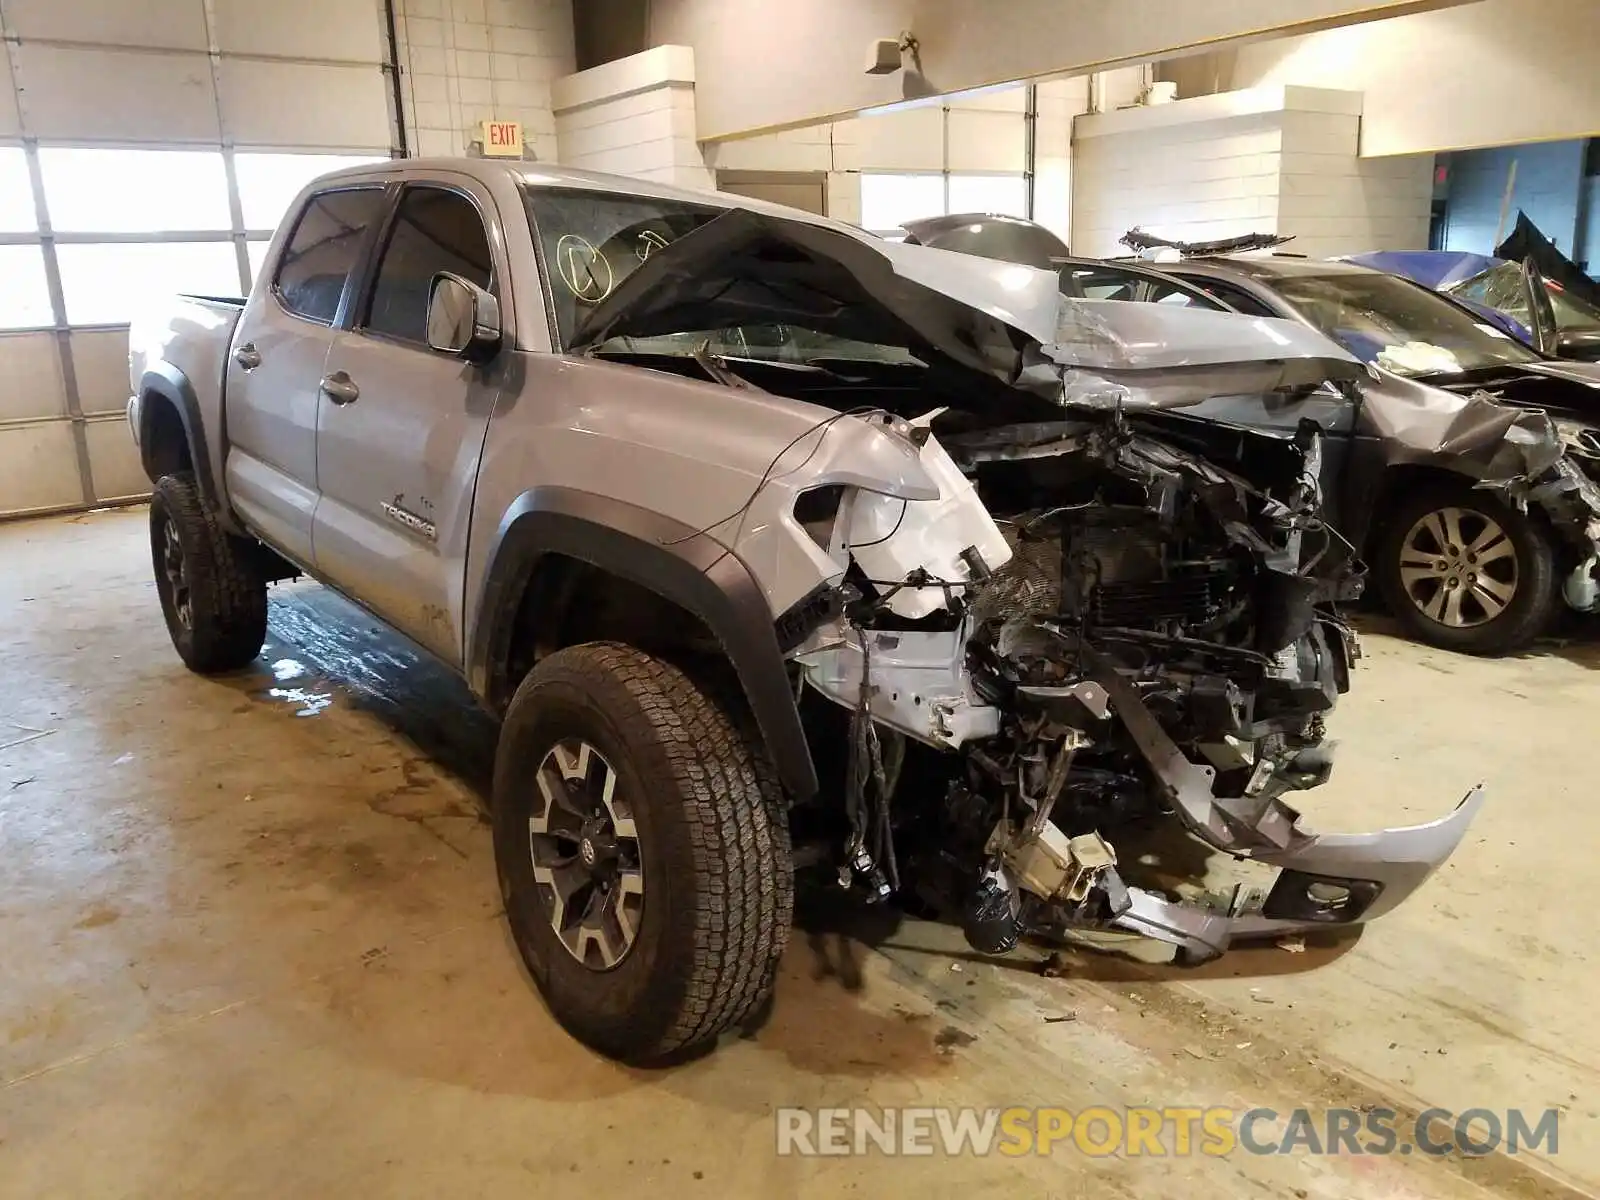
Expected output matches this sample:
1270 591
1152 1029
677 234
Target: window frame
360 302
358 266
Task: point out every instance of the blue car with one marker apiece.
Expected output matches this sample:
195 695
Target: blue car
1539 296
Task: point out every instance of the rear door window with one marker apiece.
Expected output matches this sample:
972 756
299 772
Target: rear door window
323 250
436 230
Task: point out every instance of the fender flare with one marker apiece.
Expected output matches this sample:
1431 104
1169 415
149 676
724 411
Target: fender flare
670 559
165 380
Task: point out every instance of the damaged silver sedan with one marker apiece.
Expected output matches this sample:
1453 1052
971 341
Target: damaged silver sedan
1047 602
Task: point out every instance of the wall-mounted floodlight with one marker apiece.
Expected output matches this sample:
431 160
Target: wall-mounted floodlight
885 56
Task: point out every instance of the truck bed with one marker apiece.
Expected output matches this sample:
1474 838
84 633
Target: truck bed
193 334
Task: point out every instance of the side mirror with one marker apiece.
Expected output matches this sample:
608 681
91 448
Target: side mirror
463 319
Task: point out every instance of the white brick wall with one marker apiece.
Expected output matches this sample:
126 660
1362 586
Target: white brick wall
634 117
1335 202
468 61
1209 180
1282 161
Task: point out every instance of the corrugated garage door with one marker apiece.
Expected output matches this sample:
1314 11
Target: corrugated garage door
147 147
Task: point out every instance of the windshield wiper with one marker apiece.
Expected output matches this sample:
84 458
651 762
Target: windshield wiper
717 368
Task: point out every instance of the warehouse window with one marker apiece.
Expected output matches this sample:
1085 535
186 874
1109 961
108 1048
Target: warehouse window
889 200
135 191
17 213
268 183
24 295
109 283
1004 194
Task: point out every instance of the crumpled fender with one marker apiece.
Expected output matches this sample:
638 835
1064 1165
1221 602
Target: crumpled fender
1474 435
1518 453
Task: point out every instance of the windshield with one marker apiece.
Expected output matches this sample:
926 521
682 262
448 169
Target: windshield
592 241
1398 325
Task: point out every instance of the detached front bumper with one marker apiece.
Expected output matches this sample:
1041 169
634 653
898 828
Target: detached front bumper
1324 880
1327 880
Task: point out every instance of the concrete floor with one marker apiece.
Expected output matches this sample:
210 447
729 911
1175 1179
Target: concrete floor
250 946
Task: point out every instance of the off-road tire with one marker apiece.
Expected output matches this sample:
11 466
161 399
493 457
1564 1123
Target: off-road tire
227 592
713 839
1532 609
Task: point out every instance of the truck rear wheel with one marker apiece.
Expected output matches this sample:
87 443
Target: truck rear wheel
643 852
212 591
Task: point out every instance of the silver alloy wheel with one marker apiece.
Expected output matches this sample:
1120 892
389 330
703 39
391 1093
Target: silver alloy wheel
175 567
585 850
1459 567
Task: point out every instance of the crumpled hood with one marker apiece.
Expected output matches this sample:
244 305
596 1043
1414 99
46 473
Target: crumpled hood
980 326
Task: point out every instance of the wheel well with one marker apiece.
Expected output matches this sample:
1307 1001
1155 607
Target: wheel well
1400 481
567 601
164 442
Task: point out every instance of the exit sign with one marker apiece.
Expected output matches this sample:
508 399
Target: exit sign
502 139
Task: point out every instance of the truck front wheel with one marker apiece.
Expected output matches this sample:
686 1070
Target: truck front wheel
643 852
212 591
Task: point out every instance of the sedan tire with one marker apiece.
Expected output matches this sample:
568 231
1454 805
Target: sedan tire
1464 572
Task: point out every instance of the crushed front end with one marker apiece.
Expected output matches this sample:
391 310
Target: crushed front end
1037 607
1142 626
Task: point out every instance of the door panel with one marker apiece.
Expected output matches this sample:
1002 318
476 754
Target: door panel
276 361
272 429
398 462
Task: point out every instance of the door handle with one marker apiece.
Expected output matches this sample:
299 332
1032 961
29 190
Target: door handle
247 356
340 388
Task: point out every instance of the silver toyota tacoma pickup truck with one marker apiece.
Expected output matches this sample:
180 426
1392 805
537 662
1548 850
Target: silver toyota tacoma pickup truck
777 545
